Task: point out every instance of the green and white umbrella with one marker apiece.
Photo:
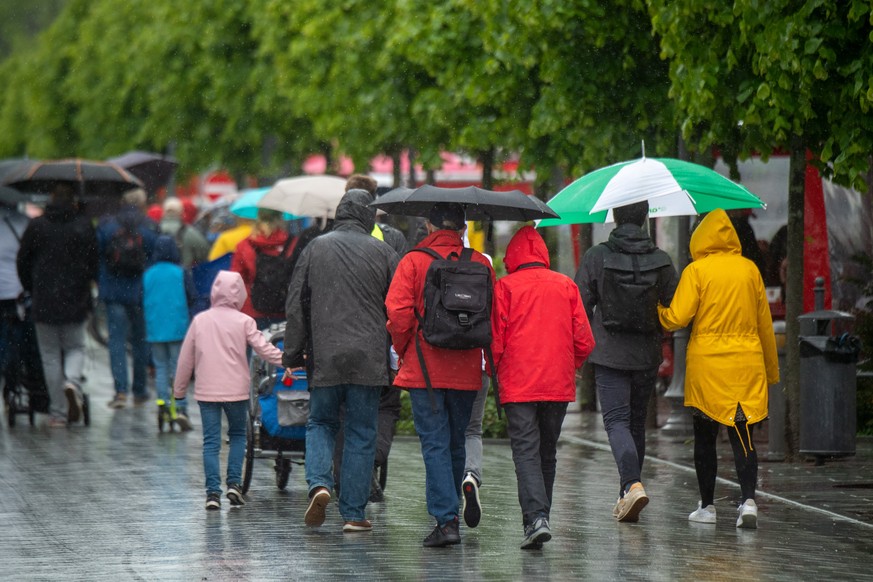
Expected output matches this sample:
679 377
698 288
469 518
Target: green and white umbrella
672 187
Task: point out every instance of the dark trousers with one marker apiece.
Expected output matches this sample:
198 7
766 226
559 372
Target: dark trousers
706 458
534 428
624 401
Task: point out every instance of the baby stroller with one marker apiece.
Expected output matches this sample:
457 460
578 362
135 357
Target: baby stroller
277 416
24 389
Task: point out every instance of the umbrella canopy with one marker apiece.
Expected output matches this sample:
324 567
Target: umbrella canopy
478 204
91 178
314 196
672 187
155 170
11 196
246 206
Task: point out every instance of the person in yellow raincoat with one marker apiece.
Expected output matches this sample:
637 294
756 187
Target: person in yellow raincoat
731 357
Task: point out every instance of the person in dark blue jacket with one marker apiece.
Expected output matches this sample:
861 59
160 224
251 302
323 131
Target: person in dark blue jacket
122 295
168 293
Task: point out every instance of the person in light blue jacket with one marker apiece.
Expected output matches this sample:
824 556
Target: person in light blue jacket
168 293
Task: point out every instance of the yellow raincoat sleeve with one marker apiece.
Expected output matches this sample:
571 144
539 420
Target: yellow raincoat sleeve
685 302
766 335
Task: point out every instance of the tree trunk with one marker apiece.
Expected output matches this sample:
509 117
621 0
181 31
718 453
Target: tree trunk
411 179
397 175
794 296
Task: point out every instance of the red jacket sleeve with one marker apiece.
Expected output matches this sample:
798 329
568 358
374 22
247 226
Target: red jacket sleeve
499 319
583 338
399 304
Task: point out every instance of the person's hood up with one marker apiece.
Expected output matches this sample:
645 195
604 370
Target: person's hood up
631 239
354 213
714 234
527 246
60 211
228 290
166 250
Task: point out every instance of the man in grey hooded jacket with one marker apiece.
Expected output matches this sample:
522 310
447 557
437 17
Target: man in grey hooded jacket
337 322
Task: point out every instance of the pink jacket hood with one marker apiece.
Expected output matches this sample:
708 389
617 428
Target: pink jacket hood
228 290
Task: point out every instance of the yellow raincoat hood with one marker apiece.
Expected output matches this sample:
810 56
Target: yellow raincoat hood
732 350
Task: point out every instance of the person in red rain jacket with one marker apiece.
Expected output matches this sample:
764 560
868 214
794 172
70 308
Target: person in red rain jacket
269 237
455 375
541 336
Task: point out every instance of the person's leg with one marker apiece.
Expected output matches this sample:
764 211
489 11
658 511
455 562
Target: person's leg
705 457
339 442
524 440
614 392
173 349
321 429
160 356
745 459
237 420
210 416
434 435
74 352
473 434
550 416
139 350
389 414
641 389
117 324
49 339
459 404
362 414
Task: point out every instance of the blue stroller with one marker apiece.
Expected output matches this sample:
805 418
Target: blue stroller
277 416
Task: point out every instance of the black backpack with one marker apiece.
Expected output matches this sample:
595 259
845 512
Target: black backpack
272 278
458 296
629 298
125 251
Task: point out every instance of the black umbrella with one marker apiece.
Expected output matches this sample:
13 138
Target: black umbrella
11 196
478 204
155 170
90 178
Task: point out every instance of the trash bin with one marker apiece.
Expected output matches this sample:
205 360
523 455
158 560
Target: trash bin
776 402
828 401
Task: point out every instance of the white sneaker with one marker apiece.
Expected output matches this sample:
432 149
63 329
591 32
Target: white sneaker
703 514
748 515
472 506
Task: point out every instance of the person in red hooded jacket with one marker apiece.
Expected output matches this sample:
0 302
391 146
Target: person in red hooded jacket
455 375
269 237
541 336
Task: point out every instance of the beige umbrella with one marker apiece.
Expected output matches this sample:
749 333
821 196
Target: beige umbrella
313 196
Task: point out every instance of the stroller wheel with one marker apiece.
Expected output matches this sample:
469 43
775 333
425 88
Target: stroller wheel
86 410
161 419
10 414
31 415
248 468
283 471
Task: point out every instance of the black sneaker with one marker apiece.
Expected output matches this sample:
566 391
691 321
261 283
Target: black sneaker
472 506
443 536
235 494
536 534
213 501
376 493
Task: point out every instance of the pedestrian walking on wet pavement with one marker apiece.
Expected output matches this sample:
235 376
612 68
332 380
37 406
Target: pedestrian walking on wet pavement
126 242
336 321
731 357
440 414
214 353
168 293
621 282
57 264
541 337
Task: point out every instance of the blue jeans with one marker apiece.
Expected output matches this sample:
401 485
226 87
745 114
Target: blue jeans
237 421
359 449
441 434
624 402
165 356
127 324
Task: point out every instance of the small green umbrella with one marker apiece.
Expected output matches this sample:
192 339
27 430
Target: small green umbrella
672 187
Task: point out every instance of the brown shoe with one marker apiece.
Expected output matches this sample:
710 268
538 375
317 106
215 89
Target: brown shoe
632 503
318 501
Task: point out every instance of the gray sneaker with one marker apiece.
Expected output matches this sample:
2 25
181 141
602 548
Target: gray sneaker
118 401
536 534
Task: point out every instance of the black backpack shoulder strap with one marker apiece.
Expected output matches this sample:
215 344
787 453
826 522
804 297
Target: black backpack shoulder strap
428 251
466 254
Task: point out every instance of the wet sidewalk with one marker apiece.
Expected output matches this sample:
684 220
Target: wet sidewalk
118 501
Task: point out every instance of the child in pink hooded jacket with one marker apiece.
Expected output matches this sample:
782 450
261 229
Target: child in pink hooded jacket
214 352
